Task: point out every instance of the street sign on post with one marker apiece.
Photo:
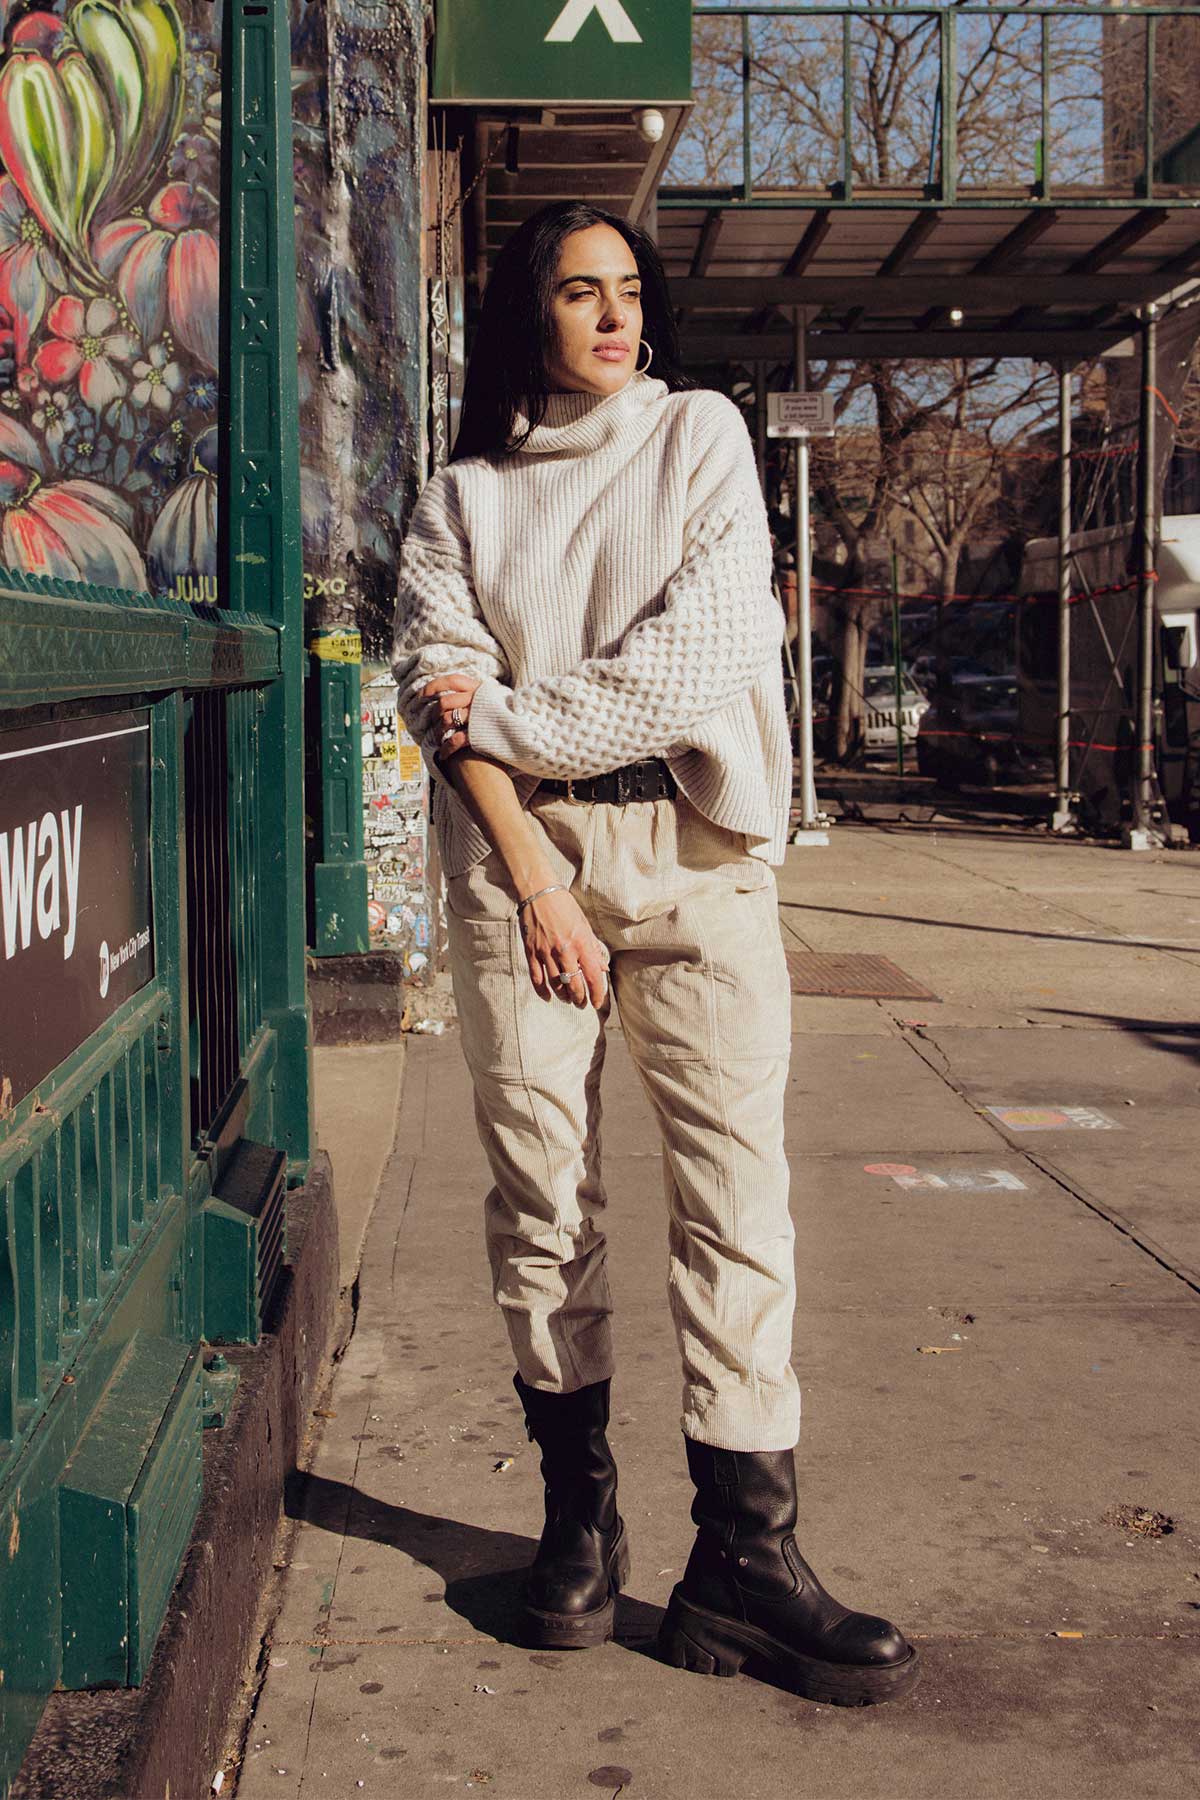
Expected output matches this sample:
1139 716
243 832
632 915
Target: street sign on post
799 415
627 51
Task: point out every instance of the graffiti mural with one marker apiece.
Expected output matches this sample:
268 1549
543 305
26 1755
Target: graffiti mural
109 227
109 306
358 134
109 151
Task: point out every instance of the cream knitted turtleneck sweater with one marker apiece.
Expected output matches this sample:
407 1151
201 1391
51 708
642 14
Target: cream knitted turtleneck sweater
610 584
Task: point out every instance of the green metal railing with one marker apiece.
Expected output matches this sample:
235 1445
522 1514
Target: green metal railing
81 1183
106 1167
813 84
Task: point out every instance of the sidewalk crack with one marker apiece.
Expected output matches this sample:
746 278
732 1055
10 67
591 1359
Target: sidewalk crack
935 1059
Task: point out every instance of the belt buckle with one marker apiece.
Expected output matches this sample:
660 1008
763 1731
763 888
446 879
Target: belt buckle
571 794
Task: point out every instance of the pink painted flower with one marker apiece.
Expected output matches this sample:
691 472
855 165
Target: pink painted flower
157 381
86 344
73 530
167 271
29 268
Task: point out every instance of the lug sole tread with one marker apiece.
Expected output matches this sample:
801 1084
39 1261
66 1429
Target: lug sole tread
581 1631
705 1643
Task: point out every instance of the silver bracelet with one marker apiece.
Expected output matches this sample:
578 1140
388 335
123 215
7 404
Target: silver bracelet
556 887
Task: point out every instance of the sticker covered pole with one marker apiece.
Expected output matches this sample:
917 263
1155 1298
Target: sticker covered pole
1063 818
808 791
1144 835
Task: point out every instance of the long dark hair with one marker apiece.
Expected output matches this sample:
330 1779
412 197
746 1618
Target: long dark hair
507 369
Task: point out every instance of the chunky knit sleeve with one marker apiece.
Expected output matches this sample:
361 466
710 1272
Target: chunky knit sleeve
719 629
439 628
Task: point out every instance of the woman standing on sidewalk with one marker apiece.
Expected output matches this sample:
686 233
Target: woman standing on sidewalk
588 649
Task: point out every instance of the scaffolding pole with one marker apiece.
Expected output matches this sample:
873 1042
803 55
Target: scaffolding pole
760 424
809 830
1064 818
1145 834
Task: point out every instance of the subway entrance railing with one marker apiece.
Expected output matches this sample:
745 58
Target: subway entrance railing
154 1043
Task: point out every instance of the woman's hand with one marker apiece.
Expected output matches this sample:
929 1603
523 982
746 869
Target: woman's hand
449 730
559 941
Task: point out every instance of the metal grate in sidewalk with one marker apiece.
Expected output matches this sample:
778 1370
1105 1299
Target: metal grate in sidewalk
852 977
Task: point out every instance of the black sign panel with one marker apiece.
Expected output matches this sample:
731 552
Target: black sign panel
75 937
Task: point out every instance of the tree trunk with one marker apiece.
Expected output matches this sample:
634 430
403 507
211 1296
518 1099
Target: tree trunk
853 663
951 556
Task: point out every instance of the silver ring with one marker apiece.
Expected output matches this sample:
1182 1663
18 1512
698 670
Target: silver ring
564 979
458 718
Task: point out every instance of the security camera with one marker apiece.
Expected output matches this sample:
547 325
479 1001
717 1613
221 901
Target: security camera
651 124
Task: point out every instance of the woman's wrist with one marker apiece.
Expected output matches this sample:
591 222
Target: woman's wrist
528 873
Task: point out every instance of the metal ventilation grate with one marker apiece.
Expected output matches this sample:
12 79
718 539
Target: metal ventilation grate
254 1183
212 968
852 977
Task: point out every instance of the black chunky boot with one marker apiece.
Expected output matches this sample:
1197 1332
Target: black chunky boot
582 1561
747 1592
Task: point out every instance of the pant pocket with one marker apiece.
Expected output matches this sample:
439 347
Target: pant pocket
484 972
704 847
482 894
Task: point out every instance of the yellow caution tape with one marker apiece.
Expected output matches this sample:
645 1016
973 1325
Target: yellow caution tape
337 646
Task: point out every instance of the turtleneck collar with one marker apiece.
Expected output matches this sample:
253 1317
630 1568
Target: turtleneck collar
580 424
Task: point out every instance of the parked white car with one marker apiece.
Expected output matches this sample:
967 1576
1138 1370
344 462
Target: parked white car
879 710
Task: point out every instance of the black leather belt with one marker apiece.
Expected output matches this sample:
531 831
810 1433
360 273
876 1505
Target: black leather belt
648 780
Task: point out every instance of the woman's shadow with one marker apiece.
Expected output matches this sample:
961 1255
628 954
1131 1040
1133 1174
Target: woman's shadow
483 1571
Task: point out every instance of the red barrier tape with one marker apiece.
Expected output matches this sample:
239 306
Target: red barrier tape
881 593
1008 737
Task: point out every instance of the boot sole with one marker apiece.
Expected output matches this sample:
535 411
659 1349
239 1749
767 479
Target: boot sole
706 1643
581 1631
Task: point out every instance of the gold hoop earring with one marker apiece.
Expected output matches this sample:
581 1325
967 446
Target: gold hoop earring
649 357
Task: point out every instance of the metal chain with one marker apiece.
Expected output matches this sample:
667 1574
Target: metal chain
481 172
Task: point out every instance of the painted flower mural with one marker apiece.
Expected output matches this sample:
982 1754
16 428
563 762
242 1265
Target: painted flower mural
109 146
84 345
30 272
75 530
183 543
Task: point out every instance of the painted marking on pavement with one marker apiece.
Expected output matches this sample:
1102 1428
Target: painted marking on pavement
962 1181
1052 1118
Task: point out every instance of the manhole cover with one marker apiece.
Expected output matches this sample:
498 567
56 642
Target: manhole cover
852 977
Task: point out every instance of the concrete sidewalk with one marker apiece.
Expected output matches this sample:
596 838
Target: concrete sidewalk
994 1361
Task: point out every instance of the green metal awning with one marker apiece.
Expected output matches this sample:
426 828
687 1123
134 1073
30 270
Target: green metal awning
1035 280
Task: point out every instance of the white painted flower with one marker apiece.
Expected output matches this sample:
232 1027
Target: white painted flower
54 418
157 381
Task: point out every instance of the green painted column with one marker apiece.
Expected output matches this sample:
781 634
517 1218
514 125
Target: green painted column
261 568
336 793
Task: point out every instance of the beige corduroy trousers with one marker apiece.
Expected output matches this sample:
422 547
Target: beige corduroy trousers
701 986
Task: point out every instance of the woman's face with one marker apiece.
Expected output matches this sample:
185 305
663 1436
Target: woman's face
597 314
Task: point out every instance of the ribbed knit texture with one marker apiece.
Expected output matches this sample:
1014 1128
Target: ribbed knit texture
610 585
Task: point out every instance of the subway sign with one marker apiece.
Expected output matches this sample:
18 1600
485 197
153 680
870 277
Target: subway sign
519 51
75 936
